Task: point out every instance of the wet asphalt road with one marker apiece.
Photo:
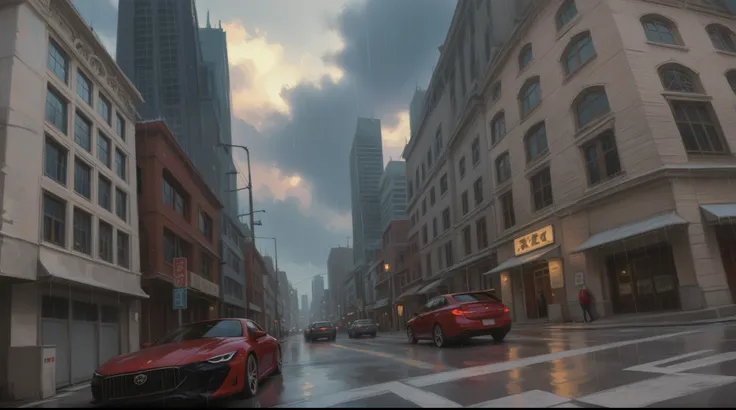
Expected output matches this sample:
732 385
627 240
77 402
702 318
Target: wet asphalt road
643 367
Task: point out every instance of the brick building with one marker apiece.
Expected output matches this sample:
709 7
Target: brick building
178 214
256 270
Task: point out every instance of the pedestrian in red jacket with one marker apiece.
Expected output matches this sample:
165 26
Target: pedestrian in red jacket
584 299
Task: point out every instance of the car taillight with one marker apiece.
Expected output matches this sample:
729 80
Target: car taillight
459 312
323 328
505 309
357 325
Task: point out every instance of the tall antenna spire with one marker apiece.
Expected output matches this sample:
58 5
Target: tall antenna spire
208 20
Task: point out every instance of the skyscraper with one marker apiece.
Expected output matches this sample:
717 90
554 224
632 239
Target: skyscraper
339 266
393 193
366 168
318 292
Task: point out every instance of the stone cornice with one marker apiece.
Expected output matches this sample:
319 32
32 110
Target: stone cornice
63 18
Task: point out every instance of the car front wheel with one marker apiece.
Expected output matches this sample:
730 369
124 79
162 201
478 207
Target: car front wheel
250 387
279 361
439 336
410 335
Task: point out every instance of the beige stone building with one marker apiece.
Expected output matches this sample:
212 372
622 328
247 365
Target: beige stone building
69 248
602 132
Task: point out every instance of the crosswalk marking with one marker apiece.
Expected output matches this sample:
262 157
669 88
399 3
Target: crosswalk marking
422 398
531 398
654 367
655 390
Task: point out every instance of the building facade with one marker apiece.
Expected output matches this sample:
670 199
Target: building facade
318 293
254 288
178 218
392 193
366 167
606 134
339 265
69 261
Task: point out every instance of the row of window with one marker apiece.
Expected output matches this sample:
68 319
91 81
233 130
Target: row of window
177 199
56 158
57 115
660 29
55 232
176 247
58 63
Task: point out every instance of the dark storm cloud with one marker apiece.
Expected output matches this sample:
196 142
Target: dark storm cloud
100 14
389 46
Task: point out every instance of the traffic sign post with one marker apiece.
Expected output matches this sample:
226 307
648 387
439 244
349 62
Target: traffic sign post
181 281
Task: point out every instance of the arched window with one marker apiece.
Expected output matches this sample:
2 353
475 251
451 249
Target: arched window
578 52
660 30
590 104
722 37
677 78
498 127
503 168
535 142
530 96
731 77
525 56
566 13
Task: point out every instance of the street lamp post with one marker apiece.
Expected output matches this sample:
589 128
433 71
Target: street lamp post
249 187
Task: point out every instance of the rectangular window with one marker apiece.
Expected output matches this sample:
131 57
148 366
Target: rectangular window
56 110
105 241
467 245
82 178
123 246
443 184
446 219
601 158
429 157
55 160
481 233
103 108
438 141
424 206
121 204
84 88
173 198
429 264
503 168
103 149
475 150
464 202
120 126
432 197
507 209
54 220
104 192
120 165
174 247
206 266
205 225
478 190
82 231
83 132
449 260
434 228
461 167
541 184
425 240
58 62
699 130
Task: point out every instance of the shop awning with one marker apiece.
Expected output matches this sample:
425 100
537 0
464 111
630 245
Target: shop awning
529 257
410 292
76 270
380 303
430 287
715 213
630 230
254 307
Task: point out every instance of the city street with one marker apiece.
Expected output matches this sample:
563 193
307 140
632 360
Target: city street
660 367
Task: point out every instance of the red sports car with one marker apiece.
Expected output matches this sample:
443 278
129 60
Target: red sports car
460 315
205 360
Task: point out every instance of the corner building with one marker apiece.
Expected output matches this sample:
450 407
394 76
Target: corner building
608 136
69 263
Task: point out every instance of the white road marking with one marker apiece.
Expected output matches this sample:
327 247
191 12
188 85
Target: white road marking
655 390
422 398
654 367
531 398
444 377
567 406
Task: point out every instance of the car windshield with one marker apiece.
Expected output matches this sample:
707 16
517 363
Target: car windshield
322 324
203 330
476 297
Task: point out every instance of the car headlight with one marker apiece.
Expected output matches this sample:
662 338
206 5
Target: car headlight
221 358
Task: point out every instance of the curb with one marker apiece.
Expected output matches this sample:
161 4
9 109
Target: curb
636 325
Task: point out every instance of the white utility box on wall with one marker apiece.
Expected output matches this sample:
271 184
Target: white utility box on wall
32 372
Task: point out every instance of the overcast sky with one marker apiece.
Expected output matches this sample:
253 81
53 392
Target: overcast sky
301 72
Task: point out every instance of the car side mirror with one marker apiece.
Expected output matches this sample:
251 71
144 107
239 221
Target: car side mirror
146 345
259 334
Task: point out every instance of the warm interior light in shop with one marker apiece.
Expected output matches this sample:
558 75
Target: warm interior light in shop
386 267
400 310
212 308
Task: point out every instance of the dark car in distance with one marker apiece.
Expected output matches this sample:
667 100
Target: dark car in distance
320 330
362 327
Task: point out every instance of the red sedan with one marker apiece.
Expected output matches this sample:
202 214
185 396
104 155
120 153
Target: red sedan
199 361
460 315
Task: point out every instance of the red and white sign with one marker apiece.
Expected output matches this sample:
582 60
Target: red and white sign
181 278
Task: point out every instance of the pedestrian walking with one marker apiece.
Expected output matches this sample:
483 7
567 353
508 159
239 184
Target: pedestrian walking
541 304
584 299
